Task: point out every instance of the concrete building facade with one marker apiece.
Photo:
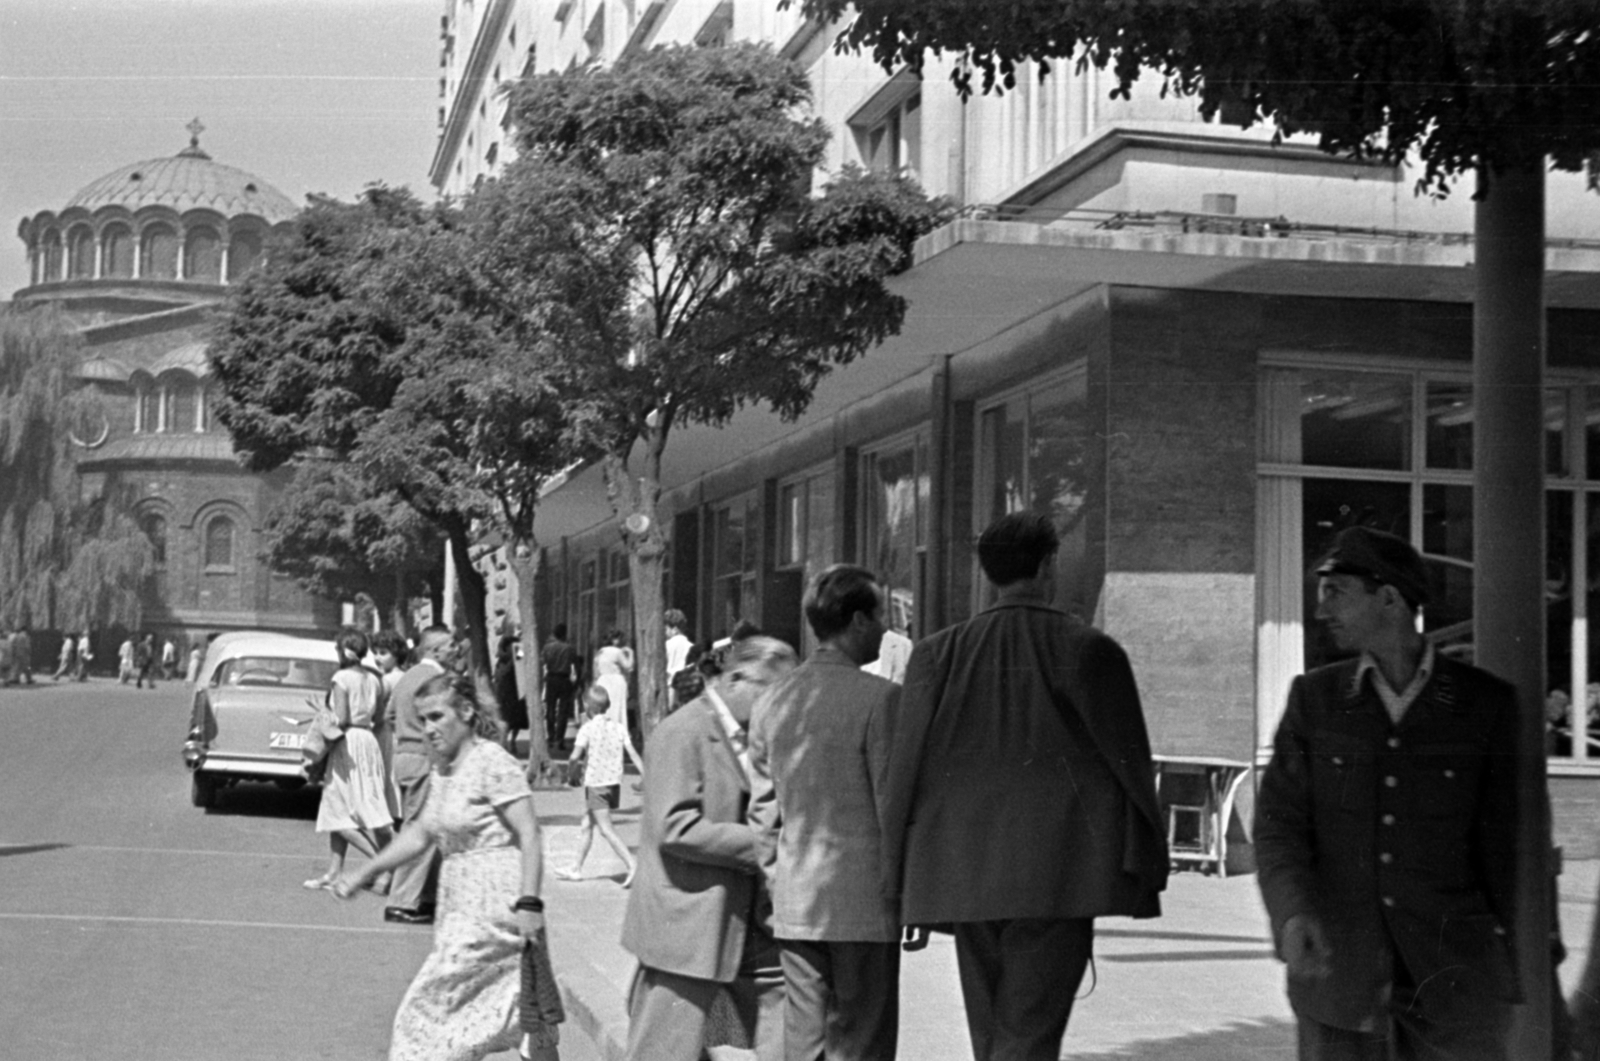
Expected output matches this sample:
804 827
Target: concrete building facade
1201 352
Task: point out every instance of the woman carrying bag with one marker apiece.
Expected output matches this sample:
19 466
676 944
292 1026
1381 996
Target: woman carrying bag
355 810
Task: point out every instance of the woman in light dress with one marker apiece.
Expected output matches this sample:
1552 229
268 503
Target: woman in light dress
355 809
612 665
463 1003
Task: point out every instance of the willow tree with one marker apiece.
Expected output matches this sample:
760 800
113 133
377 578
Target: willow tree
1495 90
70 557
696 166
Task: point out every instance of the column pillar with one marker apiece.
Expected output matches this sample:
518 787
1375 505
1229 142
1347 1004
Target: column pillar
1508 512
99 255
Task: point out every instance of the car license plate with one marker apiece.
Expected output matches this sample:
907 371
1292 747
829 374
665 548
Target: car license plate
287 740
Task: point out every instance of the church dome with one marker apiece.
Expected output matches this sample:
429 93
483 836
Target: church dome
186 181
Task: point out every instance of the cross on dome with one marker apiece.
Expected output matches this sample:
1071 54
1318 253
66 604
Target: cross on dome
194 150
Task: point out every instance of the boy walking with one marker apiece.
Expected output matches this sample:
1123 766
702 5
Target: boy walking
599 746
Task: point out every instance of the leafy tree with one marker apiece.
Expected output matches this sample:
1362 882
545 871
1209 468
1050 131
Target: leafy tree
694 167
69 557
413 342
342 539
1497 88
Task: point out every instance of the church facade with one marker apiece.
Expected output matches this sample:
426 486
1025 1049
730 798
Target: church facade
138 261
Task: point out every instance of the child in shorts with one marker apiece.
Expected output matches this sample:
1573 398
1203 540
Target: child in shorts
599 745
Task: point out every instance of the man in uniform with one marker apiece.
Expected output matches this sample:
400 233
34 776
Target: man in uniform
1385 829
1021 797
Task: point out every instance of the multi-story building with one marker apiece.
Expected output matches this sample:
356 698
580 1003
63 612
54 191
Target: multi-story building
138 260
1202 352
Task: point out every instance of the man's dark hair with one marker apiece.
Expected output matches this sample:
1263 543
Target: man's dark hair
838 593
675 617
1013 547
560 632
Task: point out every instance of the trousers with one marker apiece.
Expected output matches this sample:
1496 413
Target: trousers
841 1000
413 884
1019 979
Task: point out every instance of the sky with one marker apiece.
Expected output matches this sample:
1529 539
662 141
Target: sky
320 96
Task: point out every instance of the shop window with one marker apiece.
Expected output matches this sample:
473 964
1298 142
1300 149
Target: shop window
893 143
116 253
1033 455
1336 451
805 532
80 253
219 544
202 256
894 518
735 536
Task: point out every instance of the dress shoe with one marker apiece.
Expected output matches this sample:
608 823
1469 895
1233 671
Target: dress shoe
399 915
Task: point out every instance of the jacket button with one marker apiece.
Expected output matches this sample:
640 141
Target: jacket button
1449 773
1388 819
1386 858
1388 900
1394 742
1391 781
1338 761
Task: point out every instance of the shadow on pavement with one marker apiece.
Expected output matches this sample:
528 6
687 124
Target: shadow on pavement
1190 956
267 801
1240 1041
28 849
1196 937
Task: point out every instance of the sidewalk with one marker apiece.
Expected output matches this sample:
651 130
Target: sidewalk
1198 984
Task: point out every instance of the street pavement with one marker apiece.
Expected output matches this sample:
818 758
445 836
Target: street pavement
131 920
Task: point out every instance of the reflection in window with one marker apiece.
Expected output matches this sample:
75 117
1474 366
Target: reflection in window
1355 420
734 539
1450 416
892 482
219 542
1447 550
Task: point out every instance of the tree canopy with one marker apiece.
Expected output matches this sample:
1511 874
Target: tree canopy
71 552
1462 83
694 168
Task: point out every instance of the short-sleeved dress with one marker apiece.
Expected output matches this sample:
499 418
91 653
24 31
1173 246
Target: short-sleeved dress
462 1006
354 788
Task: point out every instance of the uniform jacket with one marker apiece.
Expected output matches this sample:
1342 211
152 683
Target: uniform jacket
1400 839
819 749
1020 781
698 860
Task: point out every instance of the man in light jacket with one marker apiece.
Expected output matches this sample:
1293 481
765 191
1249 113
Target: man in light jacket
819 749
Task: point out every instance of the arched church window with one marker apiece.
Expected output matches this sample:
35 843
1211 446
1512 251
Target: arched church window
219 542
149 408
52 256
243 252
202 255
158 253
155 529
117 250
80 253
181 404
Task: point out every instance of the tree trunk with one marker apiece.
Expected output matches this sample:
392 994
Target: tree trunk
634 500
1508 512
400 607
524 560
474 599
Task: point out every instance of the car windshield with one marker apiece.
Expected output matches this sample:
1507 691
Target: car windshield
278 671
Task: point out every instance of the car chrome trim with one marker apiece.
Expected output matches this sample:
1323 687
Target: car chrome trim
246 767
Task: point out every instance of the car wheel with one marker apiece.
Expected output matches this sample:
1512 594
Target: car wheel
203 790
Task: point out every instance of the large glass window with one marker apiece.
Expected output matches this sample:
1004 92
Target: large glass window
1337 450
736 529
894 484
1033 455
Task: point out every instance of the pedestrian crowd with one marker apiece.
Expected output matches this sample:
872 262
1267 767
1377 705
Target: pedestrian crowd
806 825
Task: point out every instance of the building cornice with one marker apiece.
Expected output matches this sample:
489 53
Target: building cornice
484 45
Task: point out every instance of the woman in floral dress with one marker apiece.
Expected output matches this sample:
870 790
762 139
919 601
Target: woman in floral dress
463 1004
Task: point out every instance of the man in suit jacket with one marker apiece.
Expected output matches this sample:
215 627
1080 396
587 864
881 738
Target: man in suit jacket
692 917
1385 828
819 749
1021 799
411 892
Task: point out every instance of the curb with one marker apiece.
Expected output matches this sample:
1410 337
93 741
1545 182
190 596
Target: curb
592 1001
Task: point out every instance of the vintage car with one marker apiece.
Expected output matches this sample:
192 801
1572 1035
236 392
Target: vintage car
253 702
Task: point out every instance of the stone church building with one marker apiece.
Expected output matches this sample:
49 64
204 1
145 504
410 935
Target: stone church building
139 259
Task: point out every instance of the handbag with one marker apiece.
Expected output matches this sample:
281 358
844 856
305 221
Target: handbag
321 734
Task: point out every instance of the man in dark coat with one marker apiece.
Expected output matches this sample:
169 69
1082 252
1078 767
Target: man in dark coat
1385 829
1020 802
560 683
